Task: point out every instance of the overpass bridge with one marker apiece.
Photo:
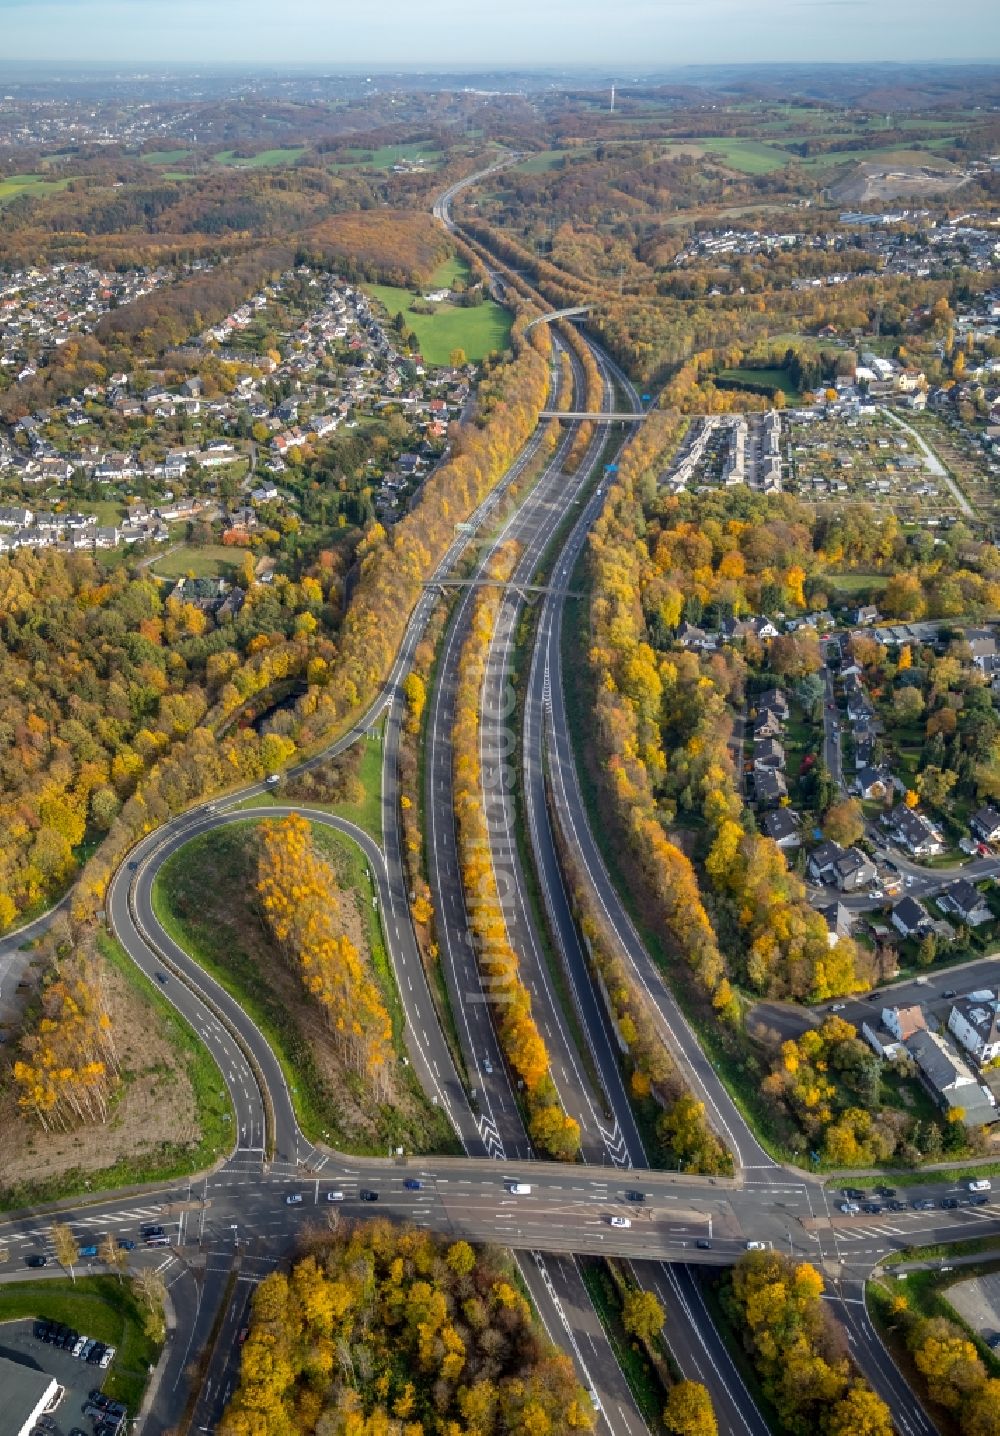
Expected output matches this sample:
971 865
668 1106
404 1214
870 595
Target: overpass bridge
598 416
574 312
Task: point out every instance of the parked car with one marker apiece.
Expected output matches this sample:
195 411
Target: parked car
42 1330
872 1208
78 1345
924 1204
106 1360
86 1349
96 1355
886 1191
88 1251
124 1245
896 1206
850 1209
756 1246
854 1194
949 1203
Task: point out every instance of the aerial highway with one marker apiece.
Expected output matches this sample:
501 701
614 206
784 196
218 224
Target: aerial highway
236 1223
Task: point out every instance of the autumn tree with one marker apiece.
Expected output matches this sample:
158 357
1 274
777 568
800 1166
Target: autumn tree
642 1314
65 1246
689 1410
844 822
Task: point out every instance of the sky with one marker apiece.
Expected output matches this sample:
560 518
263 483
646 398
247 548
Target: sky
488 33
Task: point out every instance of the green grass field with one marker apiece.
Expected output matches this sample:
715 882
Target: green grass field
13 185
389 155
164 157
478 331
212 561
545 160
447 272
750 156
108 511
266 159
105 1309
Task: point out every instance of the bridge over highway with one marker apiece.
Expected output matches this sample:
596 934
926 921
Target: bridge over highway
596 416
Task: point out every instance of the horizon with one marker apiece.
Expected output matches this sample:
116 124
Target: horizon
438 36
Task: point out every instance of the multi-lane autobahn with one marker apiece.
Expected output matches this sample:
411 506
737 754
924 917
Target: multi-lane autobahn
233 1225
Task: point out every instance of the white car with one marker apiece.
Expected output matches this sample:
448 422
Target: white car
336 1196
850 1209
107 1358
620 1221
79 1344
756 1246
294 1199
487 1067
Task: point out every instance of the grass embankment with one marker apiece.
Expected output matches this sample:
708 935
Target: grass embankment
366 812
102 1307
204 897
213 1108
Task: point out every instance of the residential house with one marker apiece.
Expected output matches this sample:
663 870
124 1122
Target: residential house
833 866
873 784
910 918
767 725
839 921
965 902
690 636
913 831
985 825
975 1021
784 827
770 788
774 700
863 616
897 1026
949 1079
768 753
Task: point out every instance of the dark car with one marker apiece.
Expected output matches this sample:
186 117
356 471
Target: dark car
923 1204
162 979
367 1195
98 1399
949 1203
872 1208
94 1355
70 1339
978 1201
41 1330
36 1259
412 1185
886 1191
896 1206
635 1196
124 1245
703 1244
950 992
854 1194
148 1233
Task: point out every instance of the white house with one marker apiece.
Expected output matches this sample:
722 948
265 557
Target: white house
976 1024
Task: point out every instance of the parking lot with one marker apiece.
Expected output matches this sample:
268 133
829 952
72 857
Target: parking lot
17 1343
978 1301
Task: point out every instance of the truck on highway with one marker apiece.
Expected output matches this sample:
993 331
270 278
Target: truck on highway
982 1184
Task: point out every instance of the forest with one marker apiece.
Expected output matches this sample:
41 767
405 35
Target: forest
390 1331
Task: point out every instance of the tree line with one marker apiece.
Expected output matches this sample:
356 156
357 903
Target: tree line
524 1047
300 903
